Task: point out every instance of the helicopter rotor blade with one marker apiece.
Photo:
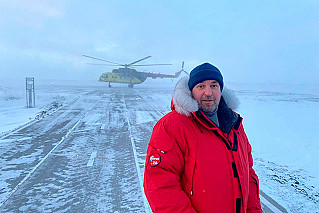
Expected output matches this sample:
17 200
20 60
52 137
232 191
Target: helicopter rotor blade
103 60
103 64
151 64
138 61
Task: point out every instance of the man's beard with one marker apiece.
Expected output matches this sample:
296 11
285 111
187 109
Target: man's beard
212 110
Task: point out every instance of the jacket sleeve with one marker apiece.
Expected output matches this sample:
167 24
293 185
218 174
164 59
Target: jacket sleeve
162 176
253 199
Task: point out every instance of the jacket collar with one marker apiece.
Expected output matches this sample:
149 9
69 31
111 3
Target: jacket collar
185 104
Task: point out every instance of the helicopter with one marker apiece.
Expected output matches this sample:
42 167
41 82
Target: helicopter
126 74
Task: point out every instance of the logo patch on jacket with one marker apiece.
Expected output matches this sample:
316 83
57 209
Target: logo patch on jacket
155 159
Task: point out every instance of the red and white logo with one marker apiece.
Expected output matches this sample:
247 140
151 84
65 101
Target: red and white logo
155 159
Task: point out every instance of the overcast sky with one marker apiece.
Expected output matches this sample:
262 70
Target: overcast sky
249 41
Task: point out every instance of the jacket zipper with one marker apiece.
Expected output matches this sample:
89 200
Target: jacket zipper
191 192
256 182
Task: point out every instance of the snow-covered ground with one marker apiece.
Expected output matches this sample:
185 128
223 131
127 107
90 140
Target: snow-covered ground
283 128
281 121
49 96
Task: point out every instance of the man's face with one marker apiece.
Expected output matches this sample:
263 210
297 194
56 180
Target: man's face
207 94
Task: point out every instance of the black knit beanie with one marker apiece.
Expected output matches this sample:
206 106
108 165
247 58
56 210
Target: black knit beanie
205 72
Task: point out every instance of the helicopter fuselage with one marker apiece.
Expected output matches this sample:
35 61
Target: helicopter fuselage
123 75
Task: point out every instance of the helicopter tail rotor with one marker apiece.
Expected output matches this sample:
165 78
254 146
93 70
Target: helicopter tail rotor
182 70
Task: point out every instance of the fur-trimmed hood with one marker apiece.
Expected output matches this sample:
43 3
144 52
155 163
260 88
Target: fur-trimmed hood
185 104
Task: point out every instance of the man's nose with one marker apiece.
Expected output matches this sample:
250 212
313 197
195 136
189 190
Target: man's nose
208 91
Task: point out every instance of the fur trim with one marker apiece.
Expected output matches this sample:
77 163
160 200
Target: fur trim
231 99
183 101
185 104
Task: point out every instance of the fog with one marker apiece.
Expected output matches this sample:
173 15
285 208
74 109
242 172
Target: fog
250 41
268 52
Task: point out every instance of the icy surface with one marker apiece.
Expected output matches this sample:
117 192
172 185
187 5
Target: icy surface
49 95
281 121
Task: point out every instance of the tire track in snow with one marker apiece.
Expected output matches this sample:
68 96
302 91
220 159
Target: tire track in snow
146 205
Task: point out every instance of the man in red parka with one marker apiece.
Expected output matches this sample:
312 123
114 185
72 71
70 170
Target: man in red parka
199 158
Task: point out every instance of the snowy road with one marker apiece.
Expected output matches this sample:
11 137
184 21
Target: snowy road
80 158
89 155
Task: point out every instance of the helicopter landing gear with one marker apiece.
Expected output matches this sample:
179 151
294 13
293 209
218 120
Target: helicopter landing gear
110 85
130 85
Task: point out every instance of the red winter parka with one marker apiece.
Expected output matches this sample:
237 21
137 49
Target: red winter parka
194 166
